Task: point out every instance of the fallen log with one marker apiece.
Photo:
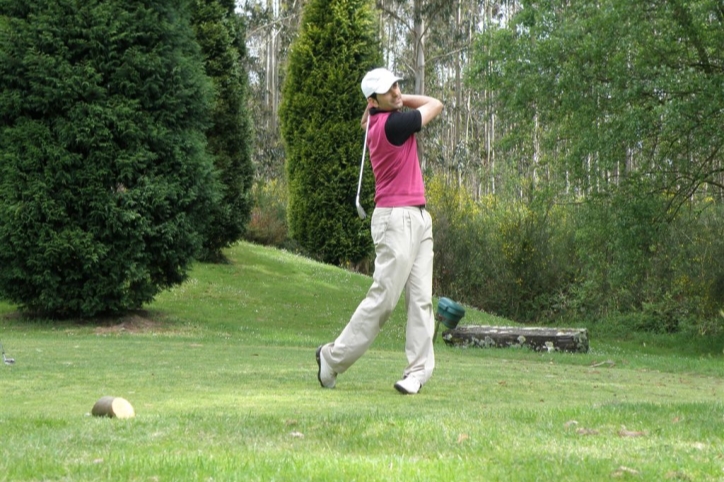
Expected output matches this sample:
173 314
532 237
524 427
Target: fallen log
573 340
113 407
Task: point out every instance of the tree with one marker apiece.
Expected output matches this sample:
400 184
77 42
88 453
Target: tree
105 184
625 120
220 33
425 41
606 101
320 112
272 25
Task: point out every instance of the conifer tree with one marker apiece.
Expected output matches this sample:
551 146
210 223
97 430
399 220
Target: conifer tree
105 184
220 33
320 121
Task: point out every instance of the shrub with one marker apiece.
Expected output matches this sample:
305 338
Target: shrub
220 32
505 258
105 186
615 260
320 113
268 225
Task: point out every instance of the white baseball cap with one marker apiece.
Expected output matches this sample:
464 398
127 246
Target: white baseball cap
378 81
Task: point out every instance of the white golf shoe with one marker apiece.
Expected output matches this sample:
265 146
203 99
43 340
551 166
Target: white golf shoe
326 376
408 386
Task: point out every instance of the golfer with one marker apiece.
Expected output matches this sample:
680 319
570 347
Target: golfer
402 235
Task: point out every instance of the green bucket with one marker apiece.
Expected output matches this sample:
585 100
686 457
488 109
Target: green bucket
449 313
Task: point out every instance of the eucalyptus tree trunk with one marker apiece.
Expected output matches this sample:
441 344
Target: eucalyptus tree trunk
428 40
425 41
271 91
418 37
271 26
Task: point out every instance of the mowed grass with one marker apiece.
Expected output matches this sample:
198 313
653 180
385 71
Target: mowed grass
222 376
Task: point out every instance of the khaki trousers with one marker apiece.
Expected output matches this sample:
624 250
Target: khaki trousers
404 251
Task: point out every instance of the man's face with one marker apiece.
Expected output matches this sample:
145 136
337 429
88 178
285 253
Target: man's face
390 100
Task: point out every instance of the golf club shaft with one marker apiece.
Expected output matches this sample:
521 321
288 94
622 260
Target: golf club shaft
361 169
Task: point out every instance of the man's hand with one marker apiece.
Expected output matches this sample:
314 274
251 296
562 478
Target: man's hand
365 115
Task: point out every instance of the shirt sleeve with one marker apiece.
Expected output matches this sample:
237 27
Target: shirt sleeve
401 125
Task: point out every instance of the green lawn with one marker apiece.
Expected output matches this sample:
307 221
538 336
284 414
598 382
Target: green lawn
222 376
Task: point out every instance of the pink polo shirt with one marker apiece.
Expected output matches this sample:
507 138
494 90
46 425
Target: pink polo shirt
398 178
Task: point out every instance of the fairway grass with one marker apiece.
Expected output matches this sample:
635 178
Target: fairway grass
222 376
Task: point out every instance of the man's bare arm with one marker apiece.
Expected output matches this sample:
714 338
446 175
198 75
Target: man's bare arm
429 107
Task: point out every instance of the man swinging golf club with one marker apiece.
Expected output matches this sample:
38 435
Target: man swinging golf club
401 232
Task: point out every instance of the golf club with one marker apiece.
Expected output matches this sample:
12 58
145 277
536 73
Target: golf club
360 209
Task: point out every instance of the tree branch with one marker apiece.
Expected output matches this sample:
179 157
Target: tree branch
392 14
251 33
683 17
447 54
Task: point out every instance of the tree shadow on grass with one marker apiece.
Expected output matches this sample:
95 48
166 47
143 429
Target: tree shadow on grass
131 321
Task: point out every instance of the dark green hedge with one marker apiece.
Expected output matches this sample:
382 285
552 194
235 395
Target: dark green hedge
104 182
221 35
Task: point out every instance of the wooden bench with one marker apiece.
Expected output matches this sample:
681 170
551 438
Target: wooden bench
573 340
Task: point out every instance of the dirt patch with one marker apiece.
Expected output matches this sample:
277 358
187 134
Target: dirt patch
135 322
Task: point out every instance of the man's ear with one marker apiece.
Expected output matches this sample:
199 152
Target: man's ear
372 102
